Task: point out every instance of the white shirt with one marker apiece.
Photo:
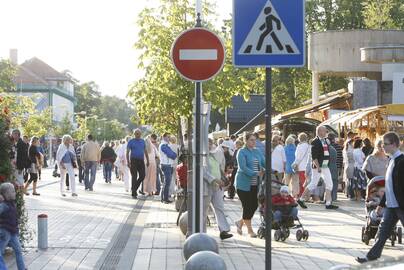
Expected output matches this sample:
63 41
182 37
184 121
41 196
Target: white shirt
302 155
359 157
278 159
391 201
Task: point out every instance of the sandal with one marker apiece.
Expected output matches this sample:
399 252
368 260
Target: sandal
252 234
239 227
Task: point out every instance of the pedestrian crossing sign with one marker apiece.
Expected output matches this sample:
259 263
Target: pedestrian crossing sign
268 33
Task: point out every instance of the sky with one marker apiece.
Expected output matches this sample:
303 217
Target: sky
91 38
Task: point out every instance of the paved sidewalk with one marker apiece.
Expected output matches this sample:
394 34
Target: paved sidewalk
107 229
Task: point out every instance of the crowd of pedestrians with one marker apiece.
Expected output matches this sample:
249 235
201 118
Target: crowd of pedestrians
312 169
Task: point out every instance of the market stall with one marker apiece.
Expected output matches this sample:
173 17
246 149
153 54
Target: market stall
370 122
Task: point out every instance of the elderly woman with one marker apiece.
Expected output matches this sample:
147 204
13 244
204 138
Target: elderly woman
251 164
291 178
278 158
349 163
302 155
66 159
376 163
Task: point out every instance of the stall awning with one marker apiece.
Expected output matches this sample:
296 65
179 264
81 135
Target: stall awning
396 110
326 102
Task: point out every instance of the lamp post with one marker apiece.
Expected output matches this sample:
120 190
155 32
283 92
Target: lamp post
103 127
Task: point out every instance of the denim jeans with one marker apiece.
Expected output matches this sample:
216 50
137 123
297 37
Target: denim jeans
389 221
89 166
7 238
278 214
2 263
168 172
108 170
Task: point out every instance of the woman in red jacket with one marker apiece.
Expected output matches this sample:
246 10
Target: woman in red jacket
283 204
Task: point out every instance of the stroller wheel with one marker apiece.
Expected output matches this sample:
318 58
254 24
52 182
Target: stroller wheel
261 233
283 238
305 235
277 235
399 235
299 235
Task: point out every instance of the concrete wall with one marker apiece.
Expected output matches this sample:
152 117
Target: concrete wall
390 69
338 52
398 88
365 93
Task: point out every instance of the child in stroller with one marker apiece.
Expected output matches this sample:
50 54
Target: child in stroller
373 200
374 193
284 213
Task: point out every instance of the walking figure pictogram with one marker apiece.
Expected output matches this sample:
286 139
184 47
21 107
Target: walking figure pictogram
269 19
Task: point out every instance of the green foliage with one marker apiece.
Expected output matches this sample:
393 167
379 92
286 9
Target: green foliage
64 127
162 96
96 106
88 97
39 124
7 172
81 132
384 14
7 73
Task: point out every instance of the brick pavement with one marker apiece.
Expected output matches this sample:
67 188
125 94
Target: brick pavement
107 229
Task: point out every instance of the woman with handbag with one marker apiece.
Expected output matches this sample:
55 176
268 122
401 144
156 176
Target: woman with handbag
34 158
66 159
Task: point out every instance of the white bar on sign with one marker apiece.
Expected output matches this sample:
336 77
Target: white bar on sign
198 54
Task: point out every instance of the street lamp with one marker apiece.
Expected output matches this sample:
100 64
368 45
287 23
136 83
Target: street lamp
103 127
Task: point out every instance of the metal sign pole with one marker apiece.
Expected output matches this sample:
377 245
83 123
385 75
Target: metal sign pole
268 186
197 164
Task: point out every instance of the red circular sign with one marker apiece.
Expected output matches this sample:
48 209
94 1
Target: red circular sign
198 54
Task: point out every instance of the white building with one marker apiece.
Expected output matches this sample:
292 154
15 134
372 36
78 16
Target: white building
49 87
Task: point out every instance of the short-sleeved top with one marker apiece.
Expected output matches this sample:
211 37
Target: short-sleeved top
136 148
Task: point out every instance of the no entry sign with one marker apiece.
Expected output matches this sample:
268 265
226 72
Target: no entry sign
198 54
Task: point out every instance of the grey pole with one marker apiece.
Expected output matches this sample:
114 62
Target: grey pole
197 190
42 231
268 139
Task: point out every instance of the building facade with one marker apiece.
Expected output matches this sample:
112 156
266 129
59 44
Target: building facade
48 87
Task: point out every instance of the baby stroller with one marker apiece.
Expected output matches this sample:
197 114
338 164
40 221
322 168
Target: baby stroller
370 230
282 229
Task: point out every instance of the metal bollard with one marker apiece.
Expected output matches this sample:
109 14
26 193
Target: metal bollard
42 231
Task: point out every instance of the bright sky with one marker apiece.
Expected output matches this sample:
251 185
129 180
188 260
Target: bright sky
91 38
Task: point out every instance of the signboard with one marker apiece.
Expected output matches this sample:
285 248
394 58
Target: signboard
198 54
268 33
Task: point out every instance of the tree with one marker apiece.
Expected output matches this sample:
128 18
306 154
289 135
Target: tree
162 96
88 97
39 124
65 126
384 14
7 74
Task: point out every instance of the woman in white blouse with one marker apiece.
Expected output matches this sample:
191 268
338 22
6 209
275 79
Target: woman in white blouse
302 155
278 157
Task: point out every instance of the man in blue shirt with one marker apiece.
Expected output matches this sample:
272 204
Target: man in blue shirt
393 199
136 150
